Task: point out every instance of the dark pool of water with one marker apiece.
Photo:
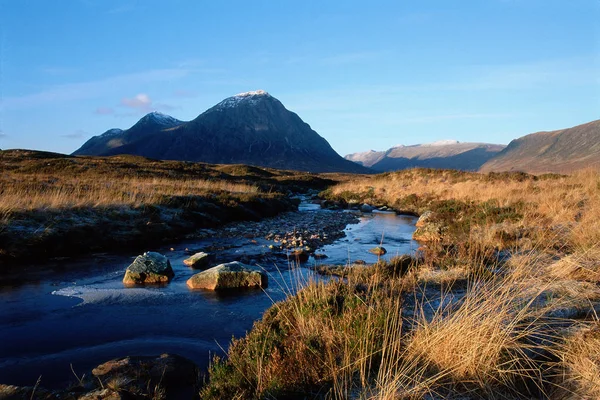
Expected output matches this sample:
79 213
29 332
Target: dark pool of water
80 313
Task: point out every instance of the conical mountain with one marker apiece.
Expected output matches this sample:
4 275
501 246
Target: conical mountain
251 128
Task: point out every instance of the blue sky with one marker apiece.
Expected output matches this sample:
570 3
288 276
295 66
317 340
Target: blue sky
364 75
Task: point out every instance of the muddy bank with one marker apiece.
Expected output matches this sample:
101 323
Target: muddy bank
41 235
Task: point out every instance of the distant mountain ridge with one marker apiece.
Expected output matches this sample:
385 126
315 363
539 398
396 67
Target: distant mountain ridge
447 154
251 128
560 151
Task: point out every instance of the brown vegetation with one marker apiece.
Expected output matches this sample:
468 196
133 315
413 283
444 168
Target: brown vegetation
58 205
502 306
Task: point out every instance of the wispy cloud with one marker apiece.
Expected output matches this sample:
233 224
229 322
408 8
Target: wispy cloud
78 134
350 58
458 116
104 111
140 101
91 89
335 59
184 94
57 71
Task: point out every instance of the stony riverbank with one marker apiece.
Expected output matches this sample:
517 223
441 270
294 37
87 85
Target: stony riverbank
44 234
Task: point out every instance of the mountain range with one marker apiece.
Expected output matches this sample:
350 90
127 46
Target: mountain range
251 128
255 128
449 154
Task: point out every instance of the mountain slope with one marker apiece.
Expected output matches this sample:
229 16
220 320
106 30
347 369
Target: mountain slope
560 151
113 138
251 128
448 154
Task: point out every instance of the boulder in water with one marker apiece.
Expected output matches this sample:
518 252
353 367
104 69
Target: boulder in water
299 255
379 250
231 275
150 268
366 208
199 260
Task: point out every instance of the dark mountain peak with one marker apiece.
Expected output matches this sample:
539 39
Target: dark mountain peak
257 99
158 118
252 128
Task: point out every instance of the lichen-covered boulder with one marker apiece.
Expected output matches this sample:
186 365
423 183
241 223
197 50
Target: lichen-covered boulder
150 268
379 251
228 276
426 218
429 232
199 260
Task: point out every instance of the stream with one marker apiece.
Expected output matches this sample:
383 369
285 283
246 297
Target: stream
76 312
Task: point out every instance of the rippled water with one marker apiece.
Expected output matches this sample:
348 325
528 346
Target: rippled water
79 312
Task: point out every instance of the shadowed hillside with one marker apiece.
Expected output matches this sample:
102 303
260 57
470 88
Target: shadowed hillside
560 151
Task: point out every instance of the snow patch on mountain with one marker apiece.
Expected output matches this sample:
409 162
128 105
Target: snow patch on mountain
163 119
251 98
442 143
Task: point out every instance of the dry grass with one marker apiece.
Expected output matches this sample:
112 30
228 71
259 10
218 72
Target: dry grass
494 329
33 192
55 205
580 365
560 207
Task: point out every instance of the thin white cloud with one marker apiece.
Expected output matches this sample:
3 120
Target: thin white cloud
78 134
335 59
350 58
140 101
185 94
91 89
459 116
58 70
104 111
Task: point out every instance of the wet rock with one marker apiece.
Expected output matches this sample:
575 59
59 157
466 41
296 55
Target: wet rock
199 260
150 268
228 276
10 392
171 372
360 262
379 250
320 256
299 255
105 394
366 208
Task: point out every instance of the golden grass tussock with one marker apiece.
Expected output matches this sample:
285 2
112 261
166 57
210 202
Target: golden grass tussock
485 344
579 375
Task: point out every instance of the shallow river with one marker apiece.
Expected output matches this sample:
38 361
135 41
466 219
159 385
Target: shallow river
78 312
